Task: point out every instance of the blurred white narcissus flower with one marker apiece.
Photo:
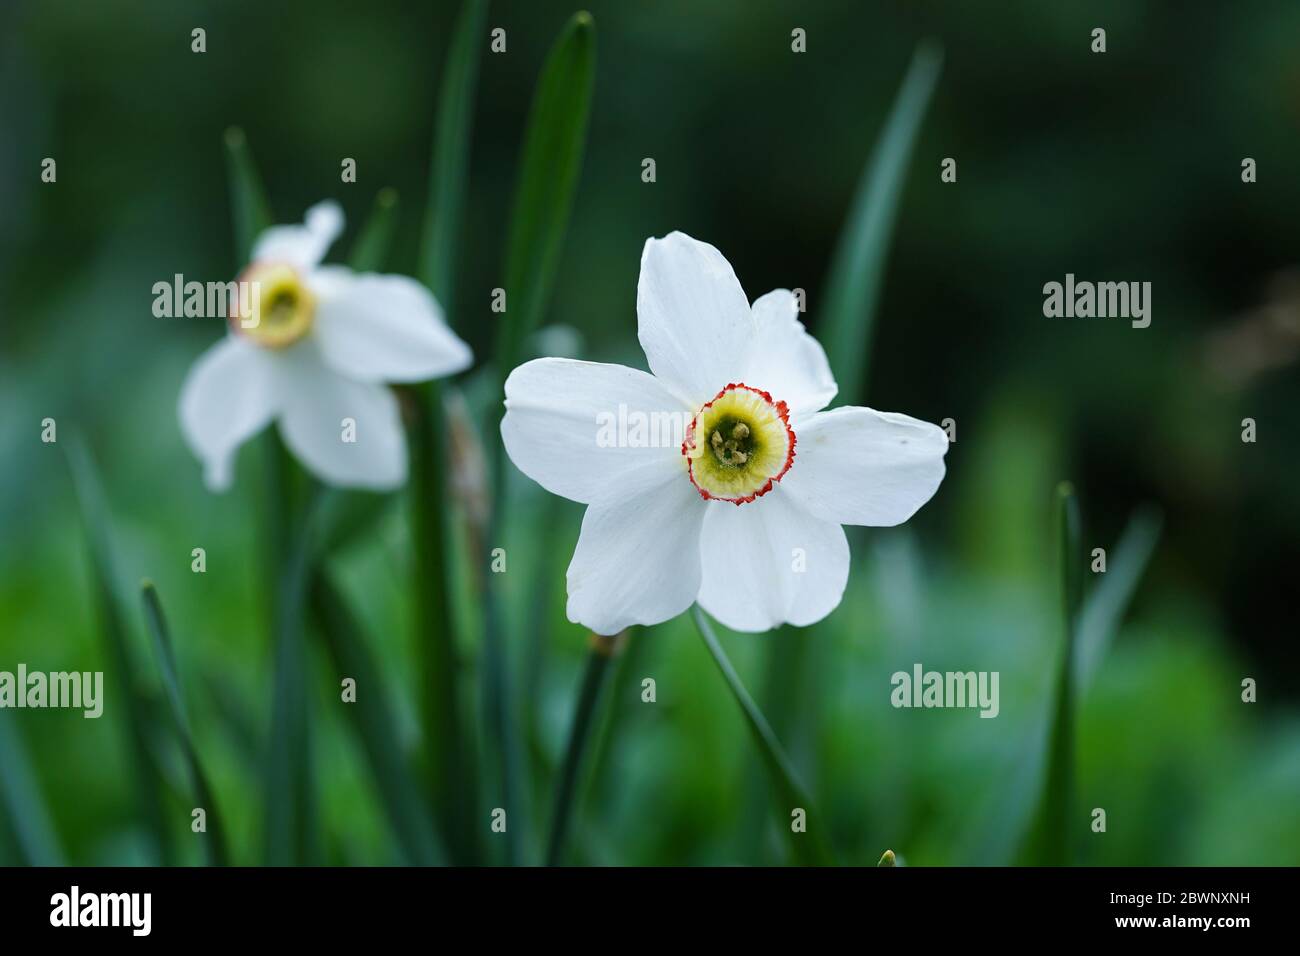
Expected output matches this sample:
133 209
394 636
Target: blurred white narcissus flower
325 343
743 511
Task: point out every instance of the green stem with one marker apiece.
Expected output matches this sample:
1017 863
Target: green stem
593 680
451 764
790 793
783 684
498 715
550 161
291 812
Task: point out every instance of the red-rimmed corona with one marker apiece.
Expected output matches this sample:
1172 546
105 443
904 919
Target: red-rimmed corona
738 444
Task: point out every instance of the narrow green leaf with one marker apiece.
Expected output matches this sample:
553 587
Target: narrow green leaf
251 212
370 254
1050 837
215 838
20 800
235 718
1105 606
375 724
450 743
549 165
347 515
1095 618
857 269
451 758
566 795
808 847
551 161
291 835
98 529
448 173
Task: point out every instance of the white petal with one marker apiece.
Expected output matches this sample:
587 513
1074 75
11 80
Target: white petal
383 328
768 562
561 429
302 246
637 560
861 466
784 359
228 396
318 402
693 319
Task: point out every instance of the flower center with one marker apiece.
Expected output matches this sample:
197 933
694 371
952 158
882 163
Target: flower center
274 308
738 444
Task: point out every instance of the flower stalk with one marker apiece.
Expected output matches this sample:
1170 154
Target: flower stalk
451 753
290 833
599 656
551 160
790 793
451 763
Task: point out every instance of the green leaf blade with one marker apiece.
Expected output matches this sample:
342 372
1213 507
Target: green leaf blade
551 162
375 243
97 525
448 173
215 839
1050 836
448 736
24 811
250 212
1106 605
857 268
375 725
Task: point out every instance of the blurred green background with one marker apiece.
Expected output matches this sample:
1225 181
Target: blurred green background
1122 166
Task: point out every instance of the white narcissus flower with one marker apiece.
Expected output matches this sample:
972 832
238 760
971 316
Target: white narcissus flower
325 343
742 511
